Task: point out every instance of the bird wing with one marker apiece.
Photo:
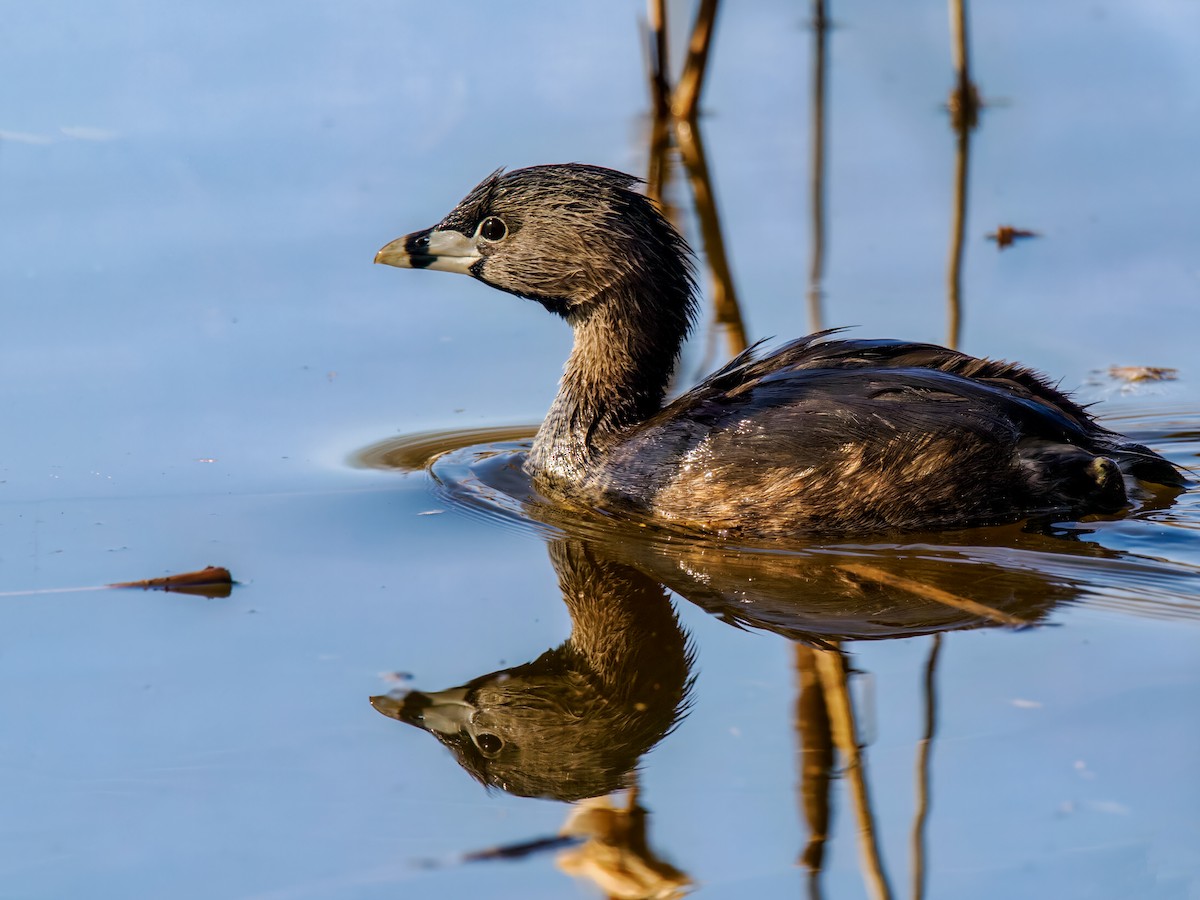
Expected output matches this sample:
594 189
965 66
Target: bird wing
994 390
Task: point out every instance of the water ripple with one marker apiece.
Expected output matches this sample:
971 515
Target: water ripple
1145 562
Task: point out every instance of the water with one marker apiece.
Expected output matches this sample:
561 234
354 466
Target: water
196 352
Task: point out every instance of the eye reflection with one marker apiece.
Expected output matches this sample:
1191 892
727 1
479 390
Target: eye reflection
492 229
488 743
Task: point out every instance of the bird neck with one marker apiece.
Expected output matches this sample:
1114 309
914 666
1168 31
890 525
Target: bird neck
626 346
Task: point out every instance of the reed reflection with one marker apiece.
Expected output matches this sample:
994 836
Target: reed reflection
617 855
964 105
816 166
676 125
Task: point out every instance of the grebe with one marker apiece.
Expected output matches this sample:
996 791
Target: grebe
824 434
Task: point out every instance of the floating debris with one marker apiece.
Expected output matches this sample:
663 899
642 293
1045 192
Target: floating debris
1134 374
211 581
1007 235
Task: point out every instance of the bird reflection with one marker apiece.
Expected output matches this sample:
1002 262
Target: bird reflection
573 723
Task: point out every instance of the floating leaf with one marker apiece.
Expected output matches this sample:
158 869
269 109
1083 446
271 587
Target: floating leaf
211 581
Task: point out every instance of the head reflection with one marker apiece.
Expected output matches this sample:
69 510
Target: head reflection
572 723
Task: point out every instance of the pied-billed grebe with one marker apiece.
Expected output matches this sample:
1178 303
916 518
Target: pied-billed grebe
822 435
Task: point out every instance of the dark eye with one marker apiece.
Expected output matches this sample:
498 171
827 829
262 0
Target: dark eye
492 229
486 742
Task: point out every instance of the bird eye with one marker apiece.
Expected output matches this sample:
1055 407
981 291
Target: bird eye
488 743
492 229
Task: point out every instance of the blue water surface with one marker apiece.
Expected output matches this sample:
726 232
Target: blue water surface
195 345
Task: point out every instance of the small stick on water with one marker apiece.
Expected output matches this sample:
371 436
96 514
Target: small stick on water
211 581
1007 235
209 576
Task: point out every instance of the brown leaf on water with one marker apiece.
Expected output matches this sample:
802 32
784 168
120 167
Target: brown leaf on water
1007 235
1134 374
211 581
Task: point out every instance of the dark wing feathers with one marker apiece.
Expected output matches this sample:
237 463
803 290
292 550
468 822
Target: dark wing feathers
750 371
813 353
989 392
